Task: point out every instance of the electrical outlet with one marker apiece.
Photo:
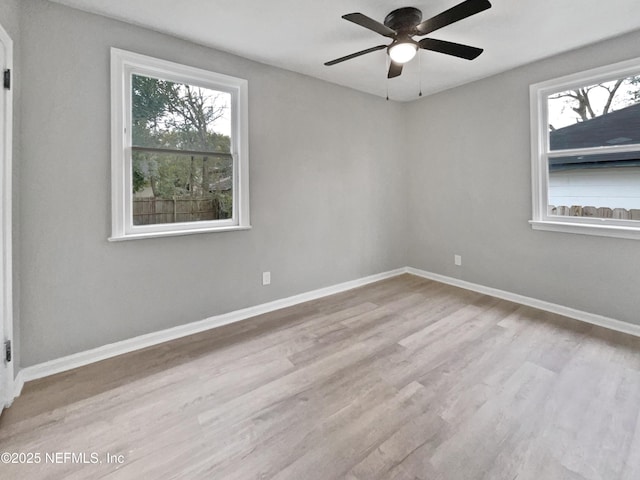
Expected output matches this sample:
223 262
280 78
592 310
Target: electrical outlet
457 259
266 278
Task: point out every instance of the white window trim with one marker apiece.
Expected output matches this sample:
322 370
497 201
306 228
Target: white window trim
540 154
123 65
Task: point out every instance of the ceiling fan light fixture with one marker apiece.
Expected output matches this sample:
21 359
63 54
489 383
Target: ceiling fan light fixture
402 52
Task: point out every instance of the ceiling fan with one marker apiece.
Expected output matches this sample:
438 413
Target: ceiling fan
403 24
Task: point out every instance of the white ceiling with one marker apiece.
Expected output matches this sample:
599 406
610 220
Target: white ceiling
300 35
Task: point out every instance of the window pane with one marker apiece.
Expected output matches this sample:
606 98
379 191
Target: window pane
602 186
179 116
598 115
174 188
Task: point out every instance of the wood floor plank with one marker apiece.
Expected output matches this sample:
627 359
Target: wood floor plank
403 379
428 428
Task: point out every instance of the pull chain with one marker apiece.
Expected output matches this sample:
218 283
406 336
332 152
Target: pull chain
420 73
387 64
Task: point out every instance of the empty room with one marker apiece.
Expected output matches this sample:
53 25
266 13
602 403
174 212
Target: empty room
299 240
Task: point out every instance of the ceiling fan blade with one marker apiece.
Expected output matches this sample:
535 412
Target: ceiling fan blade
370 23
454 14
354 55
450 48
395 69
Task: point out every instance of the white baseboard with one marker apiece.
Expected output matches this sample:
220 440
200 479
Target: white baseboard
15 389
18 383
583 316
132 344
125 346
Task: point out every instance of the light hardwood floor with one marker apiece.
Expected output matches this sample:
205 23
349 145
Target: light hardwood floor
402 379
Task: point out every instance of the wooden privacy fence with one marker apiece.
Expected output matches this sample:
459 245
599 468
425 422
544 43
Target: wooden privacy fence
152 210
602 212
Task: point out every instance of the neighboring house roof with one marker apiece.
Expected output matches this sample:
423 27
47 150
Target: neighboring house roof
621 127
222 185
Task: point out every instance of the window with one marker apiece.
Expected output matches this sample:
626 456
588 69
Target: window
179 149
586 152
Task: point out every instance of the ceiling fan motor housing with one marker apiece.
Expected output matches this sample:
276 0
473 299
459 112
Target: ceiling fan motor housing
403 19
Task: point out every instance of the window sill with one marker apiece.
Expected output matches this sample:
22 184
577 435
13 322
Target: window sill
587 229
140 236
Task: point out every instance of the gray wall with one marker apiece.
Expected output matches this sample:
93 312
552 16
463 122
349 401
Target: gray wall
470 194
10 17
327 203
339 190
10 21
